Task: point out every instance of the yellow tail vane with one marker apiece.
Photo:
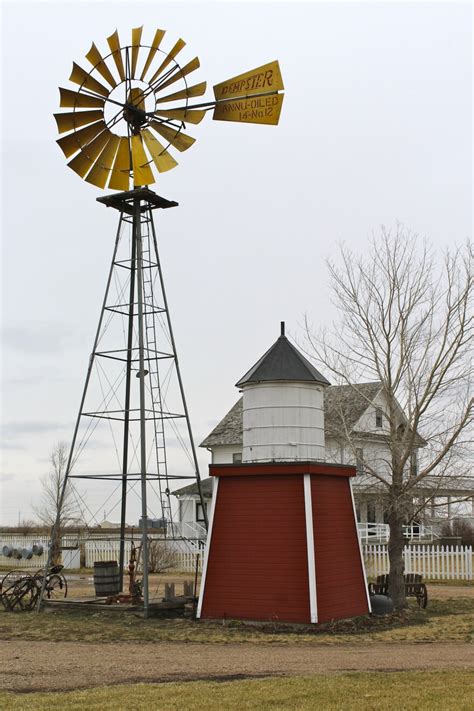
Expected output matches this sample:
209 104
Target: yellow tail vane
114 44
168 59
161 158
95 58
136 38
111 129
159 34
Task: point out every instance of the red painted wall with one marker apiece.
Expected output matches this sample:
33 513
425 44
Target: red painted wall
340 580
258 565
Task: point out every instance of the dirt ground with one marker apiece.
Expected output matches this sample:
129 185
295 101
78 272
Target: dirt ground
42 666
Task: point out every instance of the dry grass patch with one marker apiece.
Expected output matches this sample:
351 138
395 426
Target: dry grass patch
450 619
410 691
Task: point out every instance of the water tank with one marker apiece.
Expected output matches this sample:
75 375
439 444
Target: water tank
283 407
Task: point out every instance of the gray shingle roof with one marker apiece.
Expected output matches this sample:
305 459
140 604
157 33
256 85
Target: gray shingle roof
206 488
282 362
343 405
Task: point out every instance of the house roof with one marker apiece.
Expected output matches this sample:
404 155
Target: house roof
282 361
206 488
343 406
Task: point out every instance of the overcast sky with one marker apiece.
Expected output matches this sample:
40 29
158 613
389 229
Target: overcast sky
375 128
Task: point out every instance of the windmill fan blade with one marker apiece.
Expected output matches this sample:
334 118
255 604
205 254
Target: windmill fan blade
176 137
186 115
114 44
135 97
162 159
180 73
255 109
71 143
142 173
120 175
84 160
159 34
77 100
75 119
169 58
80 76
102 167
95 58
257 81
136 38
195 90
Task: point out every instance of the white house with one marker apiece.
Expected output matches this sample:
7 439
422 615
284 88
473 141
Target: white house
352 428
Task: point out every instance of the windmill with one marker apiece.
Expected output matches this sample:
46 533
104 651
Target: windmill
123 123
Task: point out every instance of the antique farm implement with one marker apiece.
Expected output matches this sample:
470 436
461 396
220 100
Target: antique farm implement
19 590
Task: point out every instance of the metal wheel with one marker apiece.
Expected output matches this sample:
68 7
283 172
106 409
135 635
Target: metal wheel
11 577
56 587
25 593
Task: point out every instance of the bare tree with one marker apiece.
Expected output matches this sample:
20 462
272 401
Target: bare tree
405 320
48 510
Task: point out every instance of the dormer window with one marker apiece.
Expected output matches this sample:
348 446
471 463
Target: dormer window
378 417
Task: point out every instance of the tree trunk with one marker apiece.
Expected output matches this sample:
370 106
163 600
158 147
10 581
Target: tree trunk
56 548
396 543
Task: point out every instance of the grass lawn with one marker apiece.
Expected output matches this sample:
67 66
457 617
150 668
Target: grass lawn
446 691
449 619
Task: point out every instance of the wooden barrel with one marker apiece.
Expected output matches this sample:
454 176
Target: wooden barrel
106 578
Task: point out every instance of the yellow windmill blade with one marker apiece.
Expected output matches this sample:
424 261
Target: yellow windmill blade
169 58
84 160
120 174
161 158
159 34
142 173
187 115
77 100
114 44
103 165
135 97
195 90
136 38
80 76
76 119
179 73
71 143
95 58
175 136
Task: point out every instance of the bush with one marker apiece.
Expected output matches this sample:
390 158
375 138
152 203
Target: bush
461 529
160 557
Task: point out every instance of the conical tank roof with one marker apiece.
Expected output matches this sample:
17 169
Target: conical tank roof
282 362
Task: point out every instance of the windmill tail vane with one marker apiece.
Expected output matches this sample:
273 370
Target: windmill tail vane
130 111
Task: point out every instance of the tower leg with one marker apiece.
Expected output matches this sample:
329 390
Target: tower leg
137 236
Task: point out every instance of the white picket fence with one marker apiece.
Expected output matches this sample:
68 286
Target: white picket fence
109 550
433 562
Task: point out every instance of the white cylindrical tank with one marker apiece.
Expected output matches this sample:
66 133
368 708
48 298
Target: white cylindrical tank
283 421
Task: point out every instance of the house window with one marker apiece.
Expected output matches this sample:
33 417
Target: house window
371 512
378 417
237 458
414 463
199 513
360 460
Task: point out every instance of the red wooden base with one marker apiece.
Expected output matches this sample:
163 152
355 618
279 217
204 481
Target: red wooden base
267 561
